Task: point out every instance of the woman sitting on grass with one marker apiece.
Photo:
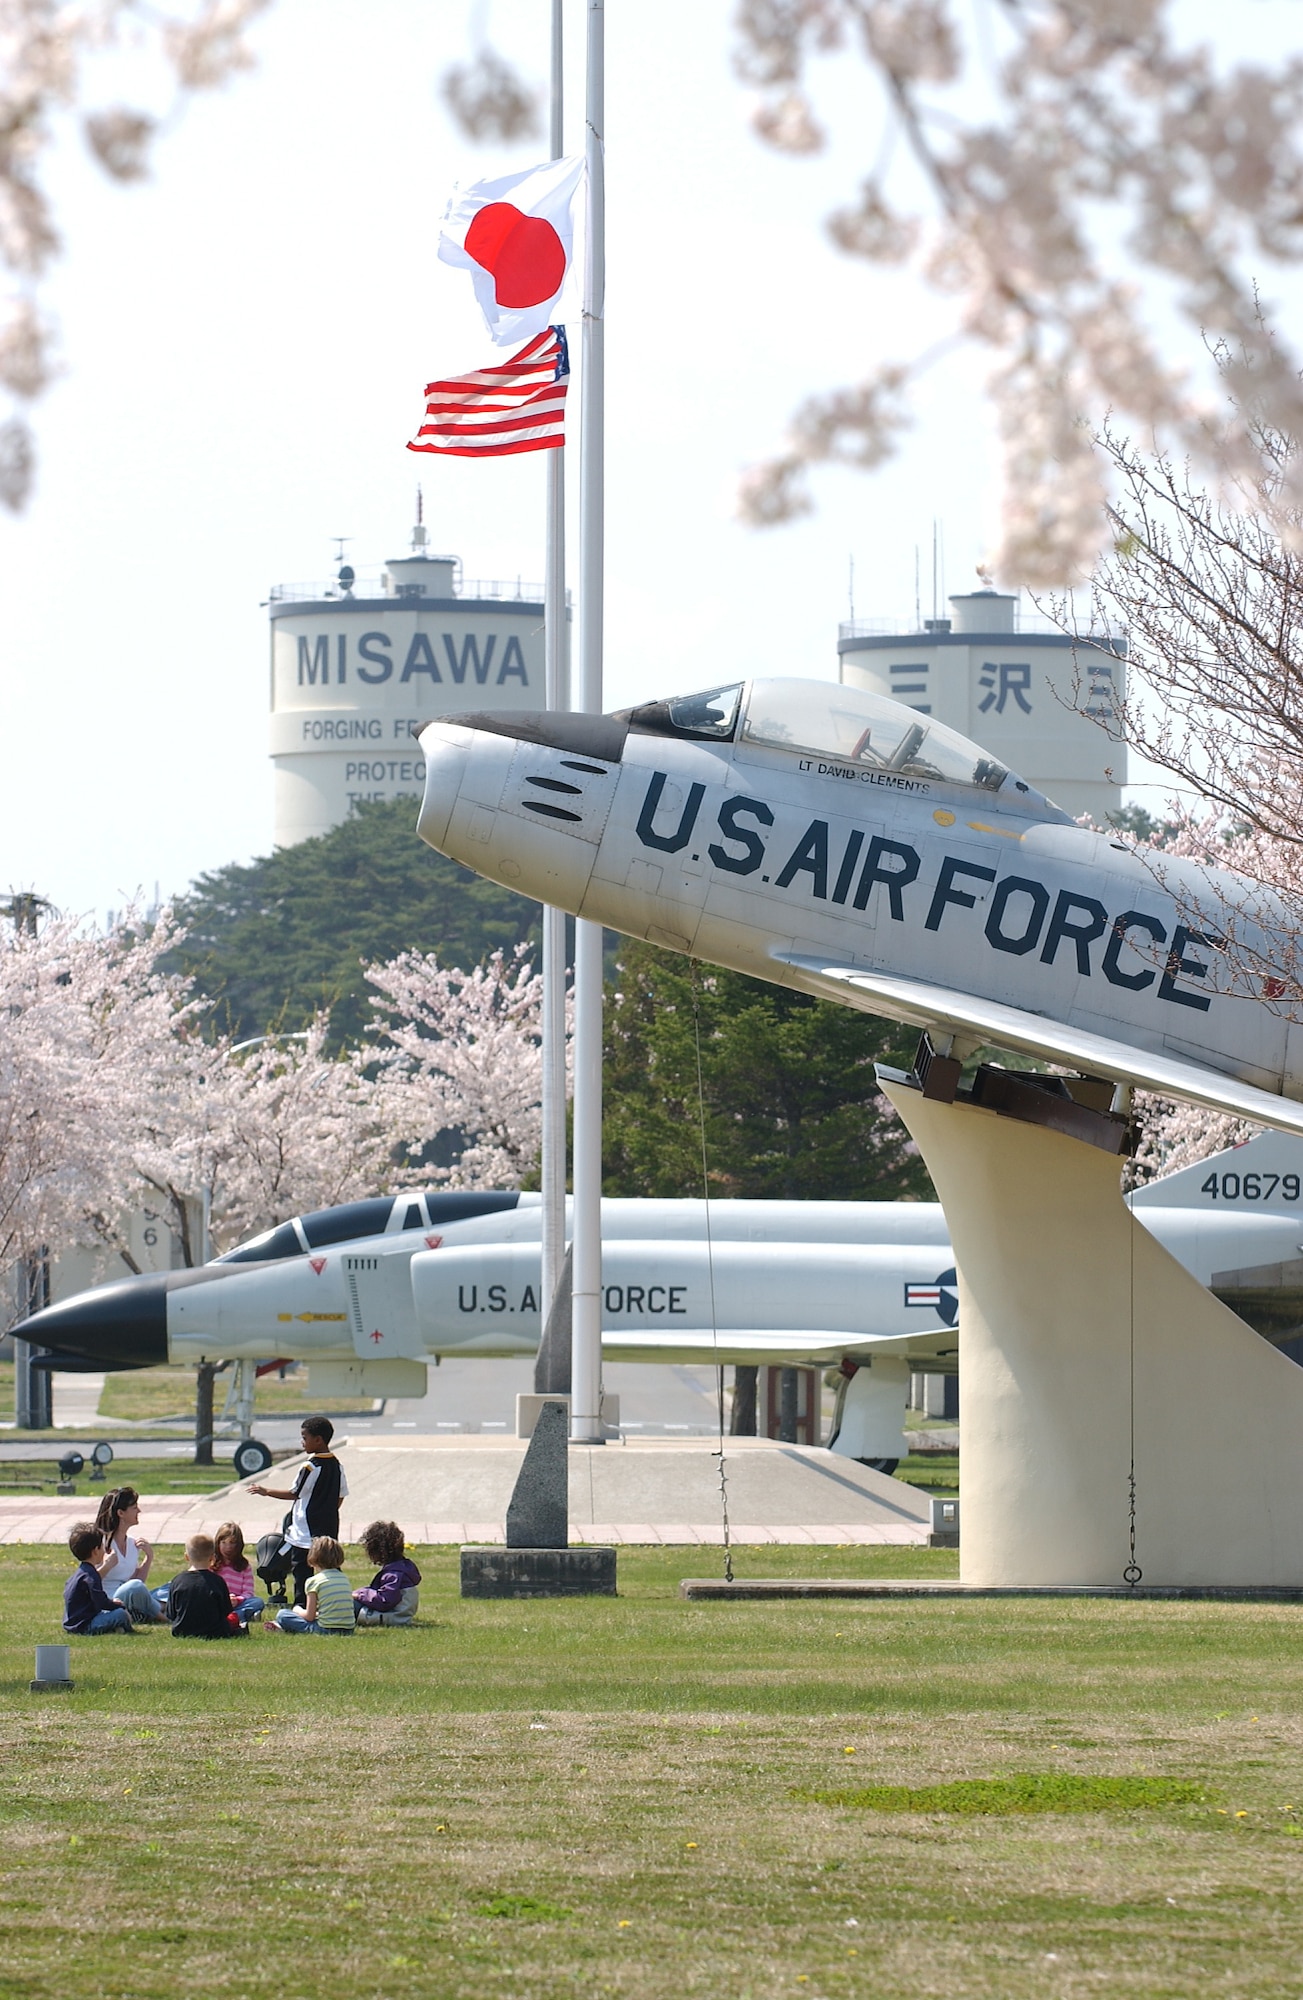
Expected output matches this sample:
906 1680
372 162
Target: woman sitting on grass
392 1595
126 1560
328 1610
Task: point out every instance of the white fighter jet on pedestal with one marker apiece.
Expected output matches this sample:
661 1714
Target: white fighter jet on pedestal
840 843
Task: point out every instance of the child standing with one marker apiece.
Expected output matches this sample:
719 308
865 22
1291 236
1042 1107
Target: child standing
318 1488
198 1602
392 1595
328 1610
87 1606
236 1571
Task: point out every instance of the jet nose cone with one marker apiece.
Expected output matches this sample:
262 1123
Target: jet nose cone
446 748
122 1325
532 797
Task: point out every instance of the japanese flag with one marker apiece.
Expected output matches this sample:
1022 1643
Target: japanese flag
516 238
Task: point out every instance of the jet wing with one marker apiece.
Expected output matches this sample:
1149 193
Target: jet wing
796 1347
927 1006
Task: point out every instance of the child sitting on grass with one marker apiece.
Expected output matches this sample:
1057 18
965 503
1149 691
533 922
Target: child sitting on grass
198 1602
236 1571
328 1610
87 1606
392 1596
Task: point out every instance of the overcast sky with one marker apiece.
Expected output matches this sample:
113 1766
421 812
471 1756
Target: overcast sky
246 339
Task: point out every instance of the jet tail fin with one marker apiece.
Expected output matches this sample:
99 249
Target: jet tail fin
1264 1176
930 1006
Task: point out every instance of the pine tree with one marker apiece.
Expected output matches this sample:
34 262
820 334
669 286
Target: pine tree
793 1109
275 940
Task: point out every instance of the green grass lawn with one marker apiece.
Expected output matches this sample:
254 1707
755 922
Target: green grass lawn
137 1394
1019 1798
934 1471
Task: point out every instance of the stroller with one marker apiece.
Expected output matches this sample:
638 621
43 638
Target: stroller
273 1562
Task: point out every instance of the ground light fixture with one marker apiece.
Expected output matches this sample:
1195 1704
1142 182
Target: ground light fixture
53 1668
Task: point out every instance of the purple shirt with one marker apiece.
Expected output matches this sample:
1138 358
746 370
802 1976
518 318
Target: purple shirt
385 1589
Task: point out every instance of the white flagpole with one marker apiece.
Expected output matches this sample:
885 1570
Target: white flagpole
557 695
586 1376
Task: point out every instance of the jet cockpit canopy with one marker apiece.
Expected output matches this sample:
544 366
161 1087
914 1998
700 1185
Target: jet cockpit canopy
847 726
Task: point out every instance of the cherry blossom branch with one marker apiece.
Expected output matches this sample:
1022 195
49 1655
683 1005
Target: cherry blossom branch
46 49
1098 174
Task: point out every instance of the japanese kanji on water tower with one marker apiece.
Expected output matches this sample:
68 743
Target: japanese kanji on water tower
1033 697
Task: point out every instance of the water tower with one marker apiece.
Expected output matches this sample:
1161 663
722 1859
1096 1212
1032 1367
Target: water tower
1029 694
357 661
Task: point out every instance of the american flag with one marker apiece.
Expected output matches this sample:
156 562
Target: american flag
516 405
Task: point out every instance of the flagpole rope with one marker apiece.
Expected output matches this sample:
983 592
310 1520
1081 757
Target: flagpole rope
1133 1572
710 1270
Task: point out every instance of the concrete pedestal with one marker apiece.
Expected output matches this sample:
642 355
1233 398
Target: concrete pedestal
1081 1339
498 1572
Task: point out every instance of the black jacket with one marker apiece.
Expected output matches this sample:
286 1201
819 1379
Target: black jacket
317 1492
199 1606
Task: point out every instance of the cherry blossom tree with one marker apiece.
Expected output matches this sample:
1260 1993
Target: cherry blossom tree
460 1057
114 1091
47 59
81 1015
111 1093
250 1137
1174 1135
1210 590
1064 173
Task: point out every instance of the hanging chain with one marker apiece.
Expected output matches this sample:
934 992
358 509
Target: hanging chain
710 1268
1133 1572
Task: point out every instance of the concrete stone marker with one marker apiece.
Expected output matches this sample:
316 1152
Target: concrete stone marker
582 1572
537 1561
538 1515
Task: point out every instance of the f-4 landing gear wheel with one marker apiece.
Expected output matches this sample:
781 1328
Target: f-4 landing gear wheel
251 1458
887 1465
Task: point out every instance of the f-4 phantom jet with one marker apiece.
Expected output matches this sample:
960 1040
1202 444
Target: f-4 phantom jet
838 842
390 1284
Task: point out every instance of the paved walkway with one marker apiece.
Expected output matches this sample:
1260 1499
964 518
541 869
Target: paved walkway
76 1400
452 1490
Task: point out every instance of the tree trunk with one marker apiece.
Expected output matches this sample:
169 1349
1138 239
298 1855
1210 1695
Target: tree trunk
204 1412
745 1385
33 1387
788 1391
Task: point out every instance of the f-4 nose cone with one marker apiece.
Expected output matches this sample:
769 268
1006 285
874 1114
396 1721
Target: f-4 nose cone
120 1325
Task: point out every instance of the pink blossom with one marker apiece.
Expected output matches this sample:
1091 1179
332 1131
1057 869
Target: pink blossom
461 1055
1067 180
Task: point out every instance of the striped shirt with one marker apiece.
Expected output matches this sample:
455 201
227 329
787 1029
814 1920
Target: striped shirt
334 1594
242 1583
